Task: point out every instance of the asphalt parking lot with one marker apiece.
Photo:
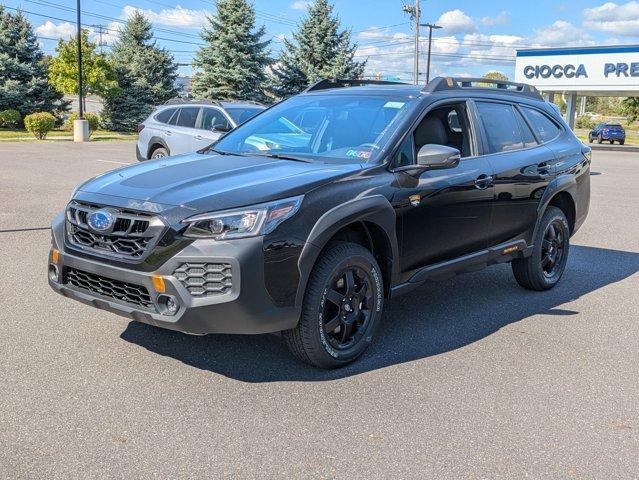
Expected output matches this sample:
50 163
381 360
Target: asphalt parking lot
469 378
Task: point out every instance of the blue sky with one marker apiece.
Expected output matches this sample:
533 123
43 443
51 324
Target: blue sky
477 36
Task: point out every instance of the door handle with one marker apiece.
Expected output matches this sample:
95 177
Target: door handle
198 137
167 133
543 168
483 181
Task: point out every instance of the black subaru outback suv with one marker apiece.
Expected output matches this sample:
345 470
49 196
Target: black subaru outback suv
305 219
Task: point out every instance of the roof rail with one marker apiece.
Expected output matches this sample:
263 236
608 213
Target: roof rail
182 101
441 84
328 83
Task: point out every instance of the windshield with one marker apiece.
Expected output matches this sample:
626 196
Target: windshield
242 114
342 128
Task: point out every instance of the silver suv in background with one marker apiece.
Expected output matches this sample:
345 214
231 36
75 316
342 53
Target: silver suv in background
183 127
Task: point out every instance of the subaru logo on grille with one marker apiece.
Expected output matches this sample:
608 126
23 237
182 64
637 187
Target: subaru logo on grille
100 221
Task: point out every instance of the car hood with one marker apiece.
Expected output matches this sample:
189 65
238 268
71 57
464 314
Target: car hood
203 182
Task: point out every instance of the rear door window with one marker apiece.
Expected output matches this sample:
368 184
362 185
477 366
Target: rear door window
501 126
543 126
188 117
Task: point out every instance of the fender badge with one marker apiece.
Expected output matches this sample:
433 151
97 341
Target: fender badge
415 200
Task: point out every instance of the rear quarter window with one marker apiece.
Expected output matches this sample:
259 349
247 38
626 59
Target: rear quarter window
545 128
165 115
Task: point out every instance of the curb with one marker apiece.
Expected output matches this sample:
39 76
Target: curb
615 148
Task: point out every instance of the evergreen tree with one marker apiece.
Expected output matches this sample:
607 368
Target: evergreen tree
97 74
318 50
145 76
231 66
23 77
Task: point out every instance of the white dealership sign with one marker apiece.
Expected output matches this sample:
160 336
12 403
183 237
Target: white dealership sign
595 70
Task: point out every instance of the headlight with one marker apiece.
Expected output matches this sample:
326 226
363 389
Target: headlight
242 222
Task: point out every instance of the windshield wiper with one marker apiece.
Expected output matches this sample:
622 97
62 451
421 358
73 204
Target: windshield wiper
282 157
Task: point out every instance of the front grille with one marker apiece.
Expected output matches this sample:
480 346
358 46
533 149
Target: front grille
108 287
132 235
205 279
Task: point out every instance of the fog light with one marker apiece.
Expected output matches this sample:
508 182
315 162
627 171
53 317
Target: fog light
53 273
168 304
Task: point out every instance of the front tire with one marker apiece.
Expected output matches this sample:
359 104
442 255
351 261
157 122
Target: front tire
342 308
545 267
599 139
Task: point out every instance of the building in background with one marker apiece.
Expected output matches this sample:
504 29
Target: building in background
581 71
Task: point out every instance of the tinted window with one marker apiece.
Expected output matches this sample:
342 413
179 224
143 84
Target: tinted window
165 115
213 119
545 128
526 133
241 115
188 116
501 126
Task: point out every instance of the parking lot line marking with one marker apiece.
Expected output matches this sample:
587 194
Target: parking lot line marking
34 229
113 161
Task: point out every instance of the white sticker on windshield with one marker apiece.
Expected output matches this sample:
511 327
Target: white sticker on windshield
394 104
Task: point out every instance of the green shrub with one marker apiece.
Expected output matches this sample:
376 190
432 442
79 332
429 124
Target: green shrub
10 118
585 122
39 123
93 118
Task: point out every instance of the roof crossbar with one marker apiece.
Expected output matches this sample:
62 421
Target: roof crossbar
441 84
328 83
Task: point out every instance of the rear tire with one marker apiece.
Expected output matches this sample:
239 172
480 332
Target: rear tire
342 308
545 267
612 142
622 142
160 152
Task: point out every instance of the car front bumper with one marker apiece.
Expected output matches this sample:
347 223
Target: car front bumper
244 308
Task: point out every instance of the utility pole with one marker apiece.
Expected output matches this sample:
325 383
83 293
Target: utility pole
414 12
80 126
79 40
101 29
431 27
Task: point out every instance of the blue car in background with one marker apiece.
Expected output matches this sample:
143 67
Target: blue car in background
609 132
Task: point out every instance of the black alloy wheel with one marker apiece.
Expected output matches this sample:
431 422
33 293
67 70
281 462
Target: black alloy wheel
552 248
348 307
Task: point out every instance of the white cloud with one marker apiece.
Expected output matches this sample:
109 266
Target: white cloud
51 30
456 21
614 18
501 19
561 33
300 5
174 17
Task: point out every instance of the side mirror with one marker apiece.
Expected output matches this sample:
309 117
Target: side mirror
221 127
437 157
